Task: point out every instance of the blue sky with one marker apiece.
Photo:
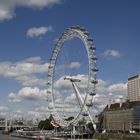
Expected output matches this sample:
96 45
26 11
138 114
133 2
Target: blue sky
113 24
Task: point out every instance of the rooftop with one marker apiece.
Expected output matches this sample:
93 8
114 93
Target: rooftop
133 77
125 105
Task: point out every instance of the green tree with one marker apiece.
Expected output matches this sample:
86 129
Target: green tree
90 127
69 118
45 124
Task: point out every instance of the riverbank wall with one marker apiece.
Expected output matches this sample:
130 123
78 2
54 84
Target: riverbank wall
117 136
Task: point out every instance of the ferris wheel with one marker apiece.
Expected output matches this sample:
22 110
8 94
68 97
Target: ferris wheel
83 102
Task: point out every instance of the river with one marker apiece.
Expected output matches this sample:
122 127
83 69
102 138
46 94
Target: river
8 137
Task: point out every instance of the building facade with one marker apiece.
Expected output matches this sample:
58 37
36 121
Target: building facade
133 88
124 117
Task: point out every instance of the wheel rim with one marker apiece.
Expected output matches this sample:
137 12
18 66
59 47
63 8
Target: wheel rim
84 36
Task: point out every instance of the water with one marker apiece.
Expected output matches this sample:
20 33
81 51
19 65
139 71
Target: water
8 137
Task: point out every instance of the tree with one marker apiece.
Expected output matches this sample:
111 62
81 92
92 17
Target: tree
45 125
69 118
90 127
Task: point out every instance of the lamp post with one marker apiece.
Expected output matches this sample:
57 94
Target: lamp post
139 127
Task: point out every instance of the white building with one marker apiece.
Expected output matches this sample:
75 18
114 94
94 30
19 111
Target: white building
133 88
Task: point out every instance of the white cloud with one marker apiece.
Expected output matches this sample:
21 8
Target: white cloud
39 112
74 65
111 92
29 72
3 111
110 53
67 102
38 31
41 108
12 97
102 86
119 88
34 59
62 84
66 84
27 115
66 90
26 71
31 80
105 91
39 3
28 93
8 69
7 7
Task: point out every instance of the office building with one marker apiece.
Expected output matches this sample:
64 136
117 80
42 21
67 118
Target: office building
133 88
123 117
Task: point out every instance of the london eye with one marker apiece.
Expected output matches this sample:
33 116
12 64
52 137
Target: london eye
83 95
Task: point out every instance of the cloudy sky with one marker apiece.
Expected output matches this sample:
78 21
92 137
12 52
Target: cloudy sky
28 32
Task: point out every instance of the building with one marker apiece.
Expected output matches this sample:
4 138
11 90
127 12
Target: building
122 117
133 88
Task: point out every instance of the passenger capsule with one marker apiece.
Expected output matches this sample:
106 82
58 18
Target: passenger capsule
94 58
53 59
94 81
78 27
50 67
49 92
89 104
90 39
86 33
94 69
48 83
92 93
82 29
72 27
92 48
85 114
50 107
55 51
49 75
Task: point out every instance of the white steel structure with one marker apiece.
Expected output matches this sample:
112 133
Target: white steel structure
85 102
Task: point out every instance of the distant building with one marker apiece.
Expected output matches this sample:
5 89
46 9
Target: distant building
121 117
133 88
2 119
